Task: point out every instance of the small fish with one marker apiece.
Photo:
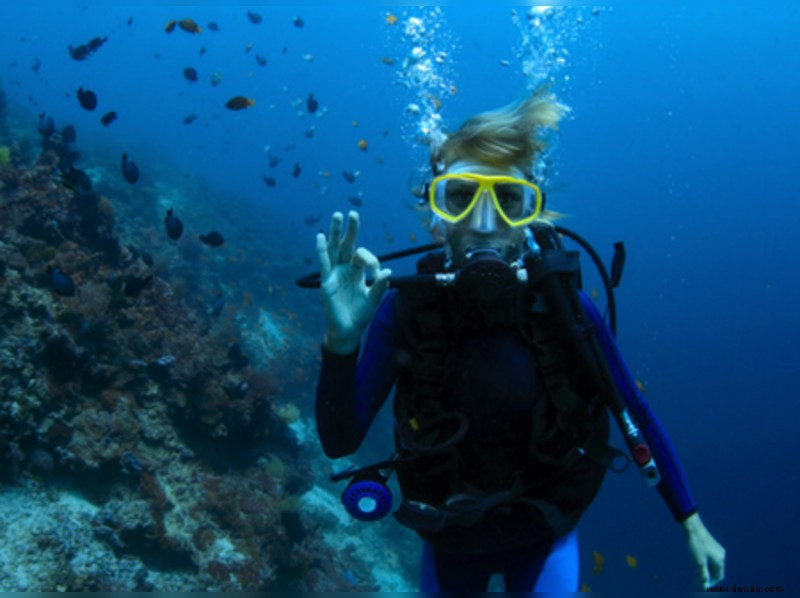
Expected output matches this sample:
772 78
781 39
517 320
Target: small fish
387 60
190 74
213 239
311 220
62 282
68 134
87 99
254 17
189 119
261 60
248 47
599 562
216 307
173 225
36 65
136 284
362 145
356 200
130 172
391 19
274 161
76 180
83 51
641 386
47 125
189 26
270 181
632 562
212 26
170 27
216 78
311 103
350 177
296 170
108 118
203 50
239 103
310 131
298 22
130 21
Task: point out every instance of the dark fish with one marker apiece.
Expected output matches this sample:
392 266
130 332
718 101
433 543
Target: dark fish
214 239
189 119
189 26
47 125
83 51
356 200
68 134
130 21
296 170
274 161
216 307
270 181
239 103
190 74
212 26
313 219
349 176
310 131
298 22
170 27
108 118
87 99
261 60
311 103
237 357
254 17
130 171
173 225
203 50
36 65
62 282
76 180
136 284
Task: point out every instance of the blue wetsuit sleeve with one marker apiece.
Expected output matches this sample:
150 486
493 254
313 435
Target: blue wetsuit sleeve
351 391
673 487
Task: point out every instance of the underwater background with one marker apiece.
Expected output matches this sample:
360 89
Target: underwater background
156 423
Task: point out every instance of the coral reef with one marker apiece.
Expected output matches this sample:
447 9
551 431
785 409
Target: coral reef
141 448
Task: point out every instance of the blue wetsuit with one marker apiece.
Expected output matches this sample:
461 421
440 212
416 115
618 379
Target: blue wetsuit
507 540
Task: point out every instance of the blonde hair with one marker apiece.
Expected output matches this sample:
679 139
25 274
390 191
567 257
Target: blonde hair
505 137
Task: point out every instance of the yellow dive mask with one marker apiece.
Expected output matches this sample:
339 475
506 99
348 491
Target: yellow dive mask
454 196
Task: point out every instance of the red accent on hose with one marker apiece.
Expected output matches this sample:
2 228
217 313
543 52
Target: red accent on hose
641 454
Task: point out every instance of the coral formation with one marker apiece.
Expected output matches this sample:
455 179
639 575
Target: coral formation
141 448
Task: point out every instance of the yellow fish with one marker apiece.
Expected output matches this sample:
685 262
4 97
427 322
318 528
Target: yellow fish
599 562
632 562
391 19
585 588
642 388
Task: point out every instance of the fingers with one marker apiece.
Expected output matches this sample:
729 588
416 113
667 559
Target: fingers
362 259
333 237
324 257
349 241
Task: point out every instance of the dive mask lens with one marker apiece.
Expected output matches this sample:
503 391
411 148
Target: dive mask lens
454 196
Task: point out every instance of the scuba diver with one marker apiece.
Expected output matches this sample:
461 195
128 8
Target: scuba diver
505 374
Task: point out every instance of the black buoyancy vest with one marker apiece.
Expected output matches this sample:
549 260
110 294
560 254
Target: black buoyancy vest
568 421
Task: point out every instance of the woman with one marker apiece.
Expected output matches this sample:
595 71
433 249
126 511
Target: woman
501 423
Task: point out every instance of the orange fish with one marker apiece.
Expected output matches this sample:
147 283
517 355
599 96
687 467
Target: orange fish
362 145
189 26
239 103
391 19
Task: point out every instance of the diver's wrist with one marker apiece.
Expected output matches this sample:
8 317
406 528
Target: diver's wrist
340 345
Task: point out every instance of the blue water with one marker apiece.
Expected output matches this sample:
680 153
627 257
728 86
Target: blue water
682 140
